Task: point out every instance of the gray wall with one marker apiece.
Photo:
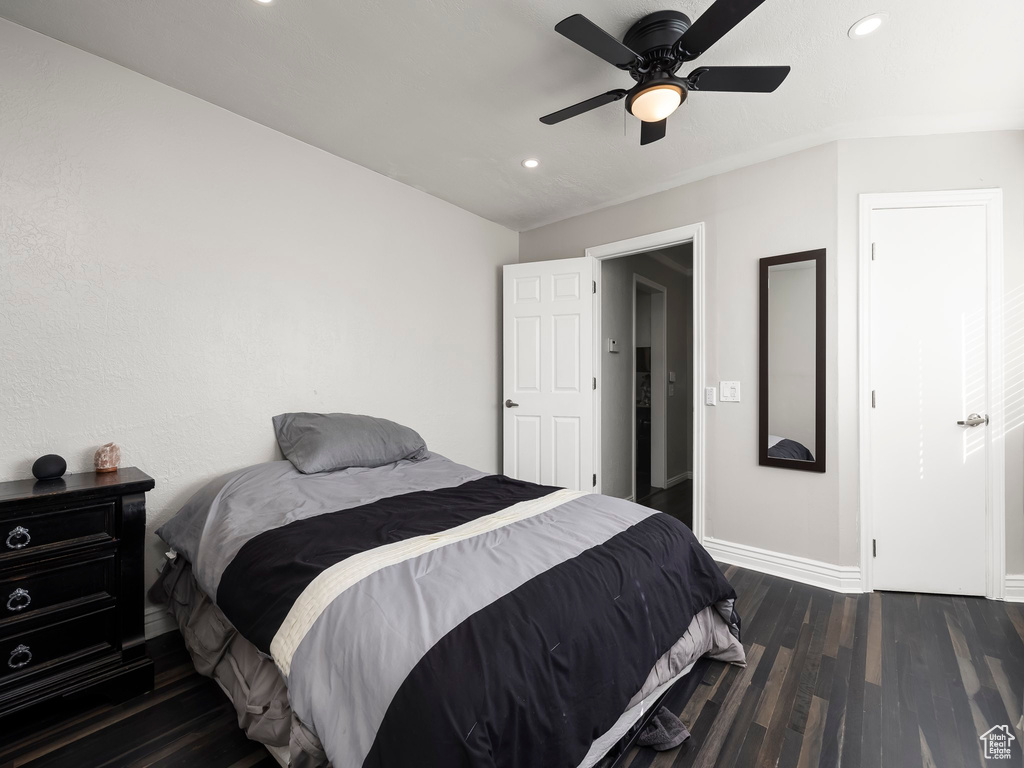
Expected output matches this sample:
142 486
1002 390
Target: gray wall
799 202
617 410
643 317
781 206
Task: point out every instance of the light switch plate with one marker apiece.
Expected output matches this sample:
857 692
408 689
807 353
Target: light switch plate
613 346
730 391
671 390
671 377
710 396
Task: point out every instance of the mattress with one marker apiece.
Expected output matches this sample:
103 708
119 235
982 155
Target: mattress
427 614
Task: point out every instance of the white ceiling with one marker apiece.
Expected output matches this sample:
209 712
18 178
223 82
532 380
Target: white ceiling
444 95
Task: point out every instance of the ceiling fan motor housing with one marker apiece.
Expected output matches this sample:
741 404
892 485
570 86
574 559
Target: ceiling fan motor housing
654 37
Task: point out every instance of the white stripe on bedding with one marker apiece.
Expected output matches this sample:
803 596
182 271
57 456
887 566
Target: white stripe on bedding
332 582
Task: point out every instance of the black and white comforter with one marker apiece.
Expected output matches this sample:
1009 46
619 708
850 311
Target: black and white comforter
425 614
783 448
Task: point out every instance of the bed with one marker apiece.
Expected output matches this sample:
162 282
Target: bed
422 613
784 448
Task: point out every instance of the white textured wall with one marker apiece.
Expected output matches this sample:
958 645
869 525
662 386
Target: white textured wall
173 275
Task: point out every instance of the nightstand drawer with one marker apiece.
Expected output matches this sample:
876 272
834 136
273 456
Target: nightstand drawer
55 585
26 533
44 648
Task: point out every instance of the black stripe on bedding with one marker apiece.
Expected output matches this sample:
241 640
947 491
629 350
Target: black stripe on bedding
268 574
536 676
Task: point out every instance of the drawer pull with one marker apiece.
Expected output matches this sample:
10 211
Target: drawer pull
19 600
20 657
18 538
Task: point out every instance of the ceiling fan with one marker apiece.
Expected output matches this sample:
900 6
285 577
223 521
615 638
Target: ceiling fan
652 52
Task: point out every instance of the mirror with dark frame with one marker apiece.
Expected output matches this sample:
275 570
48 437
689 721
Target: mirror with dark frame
791 350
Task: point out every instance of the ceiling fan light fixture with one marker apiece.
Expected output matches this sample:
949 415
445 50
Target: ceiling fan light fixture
656 101
867 25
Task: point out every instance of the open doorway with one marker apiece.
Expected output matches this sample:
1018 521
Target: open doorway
647 372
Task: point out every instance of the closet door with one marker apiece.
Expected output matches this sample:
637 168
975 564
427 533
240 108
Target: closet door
929 432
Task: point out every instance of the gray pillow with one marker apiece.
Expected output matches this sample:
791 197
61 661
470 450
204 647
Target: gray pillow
322 442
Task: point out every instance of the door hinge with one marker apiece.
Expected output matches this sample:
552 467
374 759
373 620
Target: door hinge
874 250
595 286
874 548
595 382
873 400
595 481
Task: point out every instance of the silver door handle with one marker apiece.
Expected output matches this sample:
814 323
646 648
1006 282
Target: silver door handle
973 420
510 404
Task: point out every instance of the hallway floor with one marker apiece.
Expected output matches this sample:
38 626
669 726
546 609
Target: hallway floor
676 501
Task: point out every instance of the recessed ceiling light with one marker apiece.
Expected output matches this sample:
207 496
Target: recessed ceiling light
531 162
867 25
264 2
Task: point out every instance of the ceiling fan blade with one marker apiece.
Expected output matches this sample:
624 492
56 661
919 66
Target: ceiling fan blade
714 24
650 132
583 106
587 34
737 79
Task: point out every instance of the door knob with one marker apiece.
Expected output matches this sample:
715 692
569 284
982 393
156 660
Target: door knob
973 420
510 404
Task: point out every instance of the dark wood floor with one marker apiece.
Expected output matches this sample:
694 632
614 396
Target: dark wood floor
676 501
866 680
886 679
186 722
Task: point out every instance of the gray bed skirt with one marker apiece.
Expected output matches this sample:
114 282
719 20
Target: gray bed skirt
248 678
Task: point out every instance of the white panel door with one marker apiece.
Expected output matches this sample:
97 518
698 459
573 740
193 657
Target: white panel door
548 399
928 370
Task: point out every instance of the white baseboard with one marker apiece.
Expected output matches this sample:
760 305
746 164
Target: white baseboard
158 621
1014 588
629 498
838 578
678 479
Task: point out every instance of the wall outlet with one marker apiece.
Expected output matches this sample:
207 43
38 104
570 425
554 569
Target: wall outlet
730 391
671 390
710 396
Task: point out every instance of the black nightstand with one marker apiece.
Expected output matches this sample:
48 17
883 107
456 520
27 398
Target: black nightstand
71 587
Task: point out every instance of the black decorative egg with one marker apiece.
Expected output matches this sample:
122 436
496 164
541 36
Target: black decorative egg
49 467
